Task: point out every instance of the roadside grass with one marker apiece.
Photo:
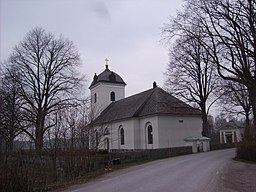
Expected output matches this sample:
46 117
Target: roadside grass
62 185
244 161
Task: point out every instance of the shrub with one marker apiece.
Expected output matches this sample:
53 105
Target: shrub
247 150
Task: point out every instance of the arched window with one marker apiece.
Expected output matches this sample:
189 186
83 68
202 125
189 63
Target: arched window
121 136
150 134
95 97
112 96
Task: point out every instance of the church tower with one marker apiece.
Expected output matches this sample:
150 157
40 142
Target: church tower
106 88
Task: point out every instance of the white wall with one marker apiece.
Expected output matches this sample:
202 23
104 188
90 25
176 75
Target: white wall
168 131
103 91
173 130
143 133
128 127
137 133
193 144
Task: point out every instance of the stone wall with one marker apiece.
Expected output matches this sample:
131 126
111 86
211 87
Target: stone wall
149 154
222 146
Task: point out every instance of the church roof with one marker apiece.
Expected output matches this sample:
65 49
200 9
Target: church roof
151 102
107 76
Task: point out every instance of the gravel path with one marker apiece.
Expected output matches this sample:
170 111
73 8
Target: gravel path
238 176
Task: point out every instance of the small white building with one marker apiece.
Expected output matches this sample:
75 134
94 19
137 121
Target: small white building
199 144
148 120
231 132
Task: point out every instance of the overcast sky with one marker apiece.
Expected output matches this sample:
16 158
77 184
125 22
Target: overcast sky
127 32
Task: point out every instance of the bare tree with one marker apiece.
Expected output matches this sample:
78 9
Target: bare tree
231 29
10 112
191 74
235 100
48 68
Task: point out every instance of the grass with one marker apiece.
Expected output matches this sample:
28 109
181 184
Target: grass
62 185
244 161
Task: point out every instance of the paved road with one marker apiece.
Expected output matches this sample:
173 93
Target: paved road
196 172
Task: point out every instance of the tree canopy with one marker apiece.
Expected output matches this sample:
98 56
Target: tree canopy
49 78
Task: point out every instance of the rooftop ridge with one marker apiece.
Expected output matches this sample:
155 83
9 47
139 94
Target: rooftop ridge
143 104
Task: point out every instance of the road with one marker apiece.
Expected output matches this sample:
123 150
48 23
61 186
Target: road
196 172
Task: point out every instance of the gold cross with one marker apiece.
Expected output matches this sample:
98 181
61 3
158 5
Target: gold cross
106 62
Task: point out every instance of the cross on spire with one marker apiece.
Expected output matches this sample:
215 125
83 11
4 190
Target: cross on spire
106 62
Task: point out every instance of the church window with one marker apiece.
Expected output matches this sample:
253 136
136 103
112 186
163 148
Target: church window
150 134
95 97
122 136
112 96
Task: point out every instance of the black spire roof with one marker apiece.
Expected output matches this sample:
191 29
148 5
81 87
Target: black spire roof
107 76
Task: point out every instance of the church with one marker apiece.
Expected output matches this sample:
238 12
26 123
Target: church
151 119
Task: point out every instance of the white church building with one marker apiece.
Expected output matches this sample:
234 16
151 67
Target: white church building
151 119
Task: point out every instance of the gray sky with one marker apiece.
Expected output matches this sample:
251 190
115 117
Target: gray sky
127 32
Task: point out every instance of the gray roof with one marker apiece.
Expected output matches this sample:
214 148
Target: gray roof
232 125
151 102
107 76
193 138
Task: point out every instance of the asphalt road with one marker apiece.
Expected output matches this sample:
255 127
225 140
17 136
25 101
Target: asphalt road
196 172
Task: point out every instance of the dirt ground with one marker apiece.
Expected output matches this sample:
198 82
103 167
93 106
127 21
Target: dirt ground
238 176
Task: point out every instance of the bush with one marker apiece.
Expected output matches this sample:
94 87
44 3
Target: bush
18 175
247 150
28 171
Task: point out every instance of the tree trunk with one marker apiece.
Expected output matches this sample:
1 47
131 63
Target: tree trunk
205 131
247 131
10 146
13 117
39 139
39 132
253 101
